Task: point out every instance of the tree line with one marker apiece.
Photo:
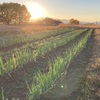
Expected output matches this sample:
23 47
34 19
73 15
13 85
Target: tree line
49 21
16 13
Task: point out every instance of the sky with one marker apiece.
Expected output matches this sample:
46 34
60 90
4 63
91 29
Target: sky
83 10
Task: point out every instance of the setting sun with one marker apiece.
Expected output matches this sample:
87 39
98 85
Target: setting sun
36 10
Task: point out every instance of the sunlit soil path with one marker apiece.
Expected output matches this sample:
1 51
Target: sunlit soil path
92 82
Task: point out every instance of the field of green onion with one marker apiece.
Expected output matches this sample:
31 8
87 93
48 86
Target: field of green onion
42 82
16 37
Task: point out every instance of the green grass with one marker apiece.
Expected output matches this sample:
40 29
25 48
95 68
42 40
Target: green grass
3 97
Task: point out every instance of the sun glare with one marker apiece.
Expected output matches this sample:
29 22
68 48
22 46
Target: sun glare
36 10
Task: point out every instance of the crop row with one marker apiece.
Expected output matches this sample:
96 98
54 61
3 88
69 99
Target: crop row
19 58
44 81
33 44
37 44
8 40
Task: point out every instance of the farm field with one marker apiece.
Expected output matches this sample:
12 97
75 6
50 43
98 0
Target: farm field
47 62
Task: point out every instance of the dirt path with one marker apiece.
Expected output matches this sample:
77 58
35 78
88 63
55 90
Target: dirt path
68 86
92 81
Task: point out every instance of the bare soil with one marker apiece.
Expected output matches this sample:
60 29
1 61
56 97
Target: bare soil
91 88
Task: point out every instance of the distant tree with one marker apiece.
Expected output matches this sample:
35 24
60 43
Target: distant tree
74 21
50 21
71 21
13 12
58 22
96 22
